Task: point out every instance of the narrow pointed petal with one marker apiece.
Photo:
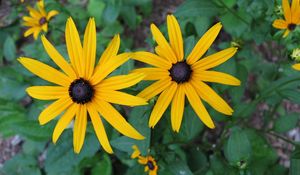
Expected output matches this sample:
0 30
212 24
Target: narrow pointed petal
79 128
37 32
89 48
121 98
58 59
47 92
74 47
45 72
33 12
153 73
115 119
31 20
155 88
280 24
30 31
121 81
175 36
54 110
99 128
214 59
286 33
45 27
162 42
295 8
177 108
105 69
198 106
162 104
111 50
296 66
211 97
287 11
51 14
204 43
160 52
217 77
64 121
152 59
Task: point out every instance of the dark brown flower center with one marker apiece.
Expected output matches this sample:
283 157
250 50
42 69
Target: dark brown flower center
42 21
180 72
292 26
150 165
81 91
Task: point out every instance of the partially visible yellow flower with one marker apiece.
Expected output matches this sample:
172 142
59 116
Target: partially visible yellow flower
38 20
177 77
82 90
149 162
296 66
291 15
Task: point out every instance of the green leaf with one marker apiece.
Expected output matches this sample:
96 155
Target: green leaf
238 149
194 8
290 94
179 168
129 15
295 162
95 9
9 49
104 166
234 25
197 160
111 11
286 123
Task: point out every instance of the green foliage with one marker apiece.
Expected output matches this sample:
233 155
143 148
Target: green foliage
265 105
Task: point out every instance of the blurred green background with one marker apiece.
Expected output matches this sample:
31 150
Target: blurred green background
261 138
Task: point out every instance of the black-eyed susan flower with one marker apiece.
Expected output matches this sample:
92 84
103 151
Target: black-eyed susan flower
38 20
291 15
148 161
82 89
178 77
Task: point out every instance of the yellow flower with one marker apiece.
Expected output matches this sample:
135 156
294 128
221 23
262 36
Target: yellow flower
150 164
296 54
291 15
148 161
38 20
83 89
178 77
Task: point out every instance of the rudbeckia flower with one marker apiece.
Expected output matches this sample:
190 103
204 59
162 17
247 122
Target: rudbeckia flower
291 15
178 77
82 89
38 20
148 161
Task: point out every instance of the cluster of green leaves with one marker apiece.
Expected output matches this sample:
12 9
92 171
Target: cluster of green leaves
236 147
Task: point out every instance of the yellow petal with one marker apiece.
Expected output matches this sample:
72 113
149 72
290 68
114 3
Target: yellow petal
198 106
89 48
74 47
211 97
41 8
99 128
58 59
160 51
121 81
280 24
162 103
136 152
79 128
45 27
51 14
54 109
111 50
217 77
295 9
286 33
287 10
47 92
64 121
34 13
31 20
45 72
296 66
155 88
30 31
177 108
114 118
175 36
105 69
153 73
152 59
143 160
36 33
204 43
214 59
162 42
121 98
